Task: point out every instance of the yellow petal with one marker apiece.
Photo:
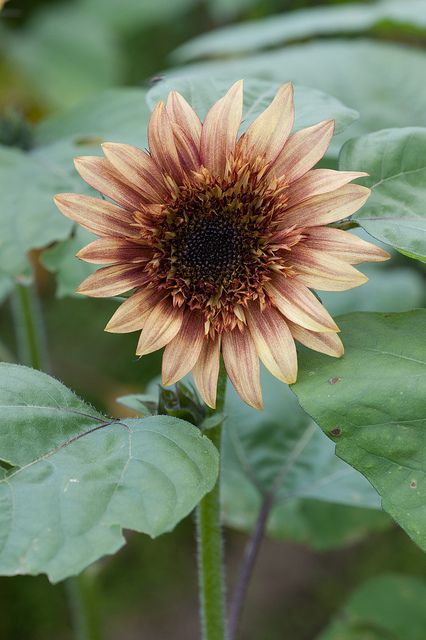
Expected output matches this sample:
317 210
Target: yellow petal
101 217
242 364
273 340
181 353
132 313
303 150
344 245
220 129
111 281
322 271
139 168
319 181
328 343
161 326
298 304
114 251
101 175
206 370
326 208
267 135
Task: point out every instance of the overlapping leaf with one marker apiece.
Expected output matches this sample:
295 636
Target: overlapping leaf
376 411
74 479
395 160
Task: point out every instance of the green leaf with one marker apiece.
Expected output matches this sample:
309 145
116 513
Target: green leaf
61 260
128 15
368 76
116 115
303 24
201 92
79 478
388 606
395 160
375 410
281 450
28 216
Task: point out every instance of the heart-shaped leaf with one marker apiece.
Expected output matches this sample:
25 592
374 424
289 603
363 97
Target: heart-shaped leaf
73 479
375 412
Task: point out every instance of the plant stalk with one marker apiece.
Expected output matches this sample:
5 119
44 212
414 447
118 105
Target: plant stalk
210 546
83 599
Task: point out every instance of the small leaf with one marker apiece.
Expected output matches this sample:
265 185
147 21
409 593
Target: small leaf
78 478
375 413
395 160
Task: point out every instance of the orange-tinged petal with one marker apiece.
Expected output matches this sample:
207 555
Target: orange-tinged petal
114 251
326 208
320 270
267 135
132 313
181 353
318 181
303 150
111 281
162 143
242 364
101 217
220 129
101 175
344 245
139 168
181 113
328 343
161 326
273 340
206 370
297 303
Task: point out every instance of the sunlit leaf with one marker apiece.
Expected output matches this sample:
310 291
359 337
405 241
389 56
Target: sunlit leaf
78 478
375 411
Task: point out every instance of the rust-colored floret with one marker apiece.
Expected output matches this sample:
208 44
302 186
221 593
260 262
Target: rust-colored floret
222 239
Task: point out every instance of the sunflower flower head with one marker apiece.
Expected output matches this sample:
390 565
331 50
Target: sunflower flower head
221 240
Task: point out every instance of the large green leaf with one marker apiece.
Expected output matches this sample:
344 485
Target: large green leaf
201 92
297 25
281 450
128 15
375 410
387 607
395 160
78 478
380 80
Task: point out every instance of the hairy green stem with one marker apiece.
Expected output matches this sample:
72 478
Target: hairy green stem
210 547
29 328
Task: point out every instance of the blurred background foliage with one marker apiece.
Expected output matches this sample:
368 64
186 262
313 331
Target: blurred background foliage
60 62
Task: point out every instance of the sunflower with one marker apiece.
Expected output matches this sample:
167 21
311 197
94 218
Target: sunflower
221 240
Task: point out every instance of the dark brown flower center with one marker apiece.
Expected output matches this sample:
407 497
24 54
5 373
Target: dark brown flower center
209 249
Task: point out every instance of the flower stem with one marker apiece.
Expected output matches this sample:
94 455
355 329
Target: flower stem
210 547
29 328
